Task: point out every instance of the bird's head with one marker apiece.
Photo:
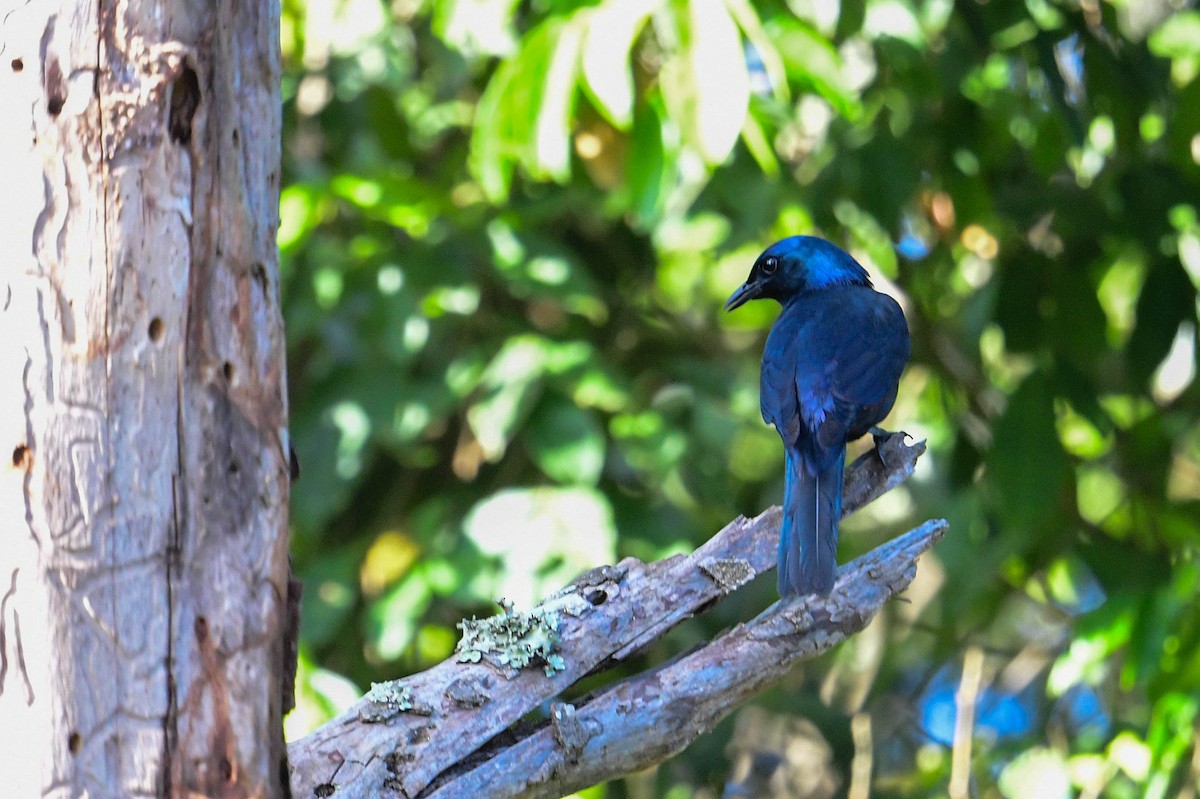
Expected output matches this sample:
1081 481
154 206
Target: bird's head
797 265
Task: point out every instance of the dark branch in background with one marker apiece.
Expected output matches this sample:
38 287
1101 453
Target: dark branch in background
427 737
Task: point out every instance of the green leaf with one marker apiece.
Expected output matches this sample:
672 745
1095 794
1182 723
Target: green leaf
1026 465
482 27
650 166
1179 35
552 144
600 387
298 215
566 442
510 388
747 19
612 28
526 113
508 119
813 62
1040 772
492 152
1089 658
392 620
706 84
1167 298
760 149
1178 39
1170 735
536 267
324 611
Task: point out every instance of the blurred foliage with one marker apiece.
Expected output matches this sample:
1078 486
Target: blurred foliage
507 230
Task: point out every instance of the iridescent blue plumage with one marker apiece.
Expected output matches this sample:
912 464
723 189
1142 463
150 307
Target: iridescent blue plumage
829 373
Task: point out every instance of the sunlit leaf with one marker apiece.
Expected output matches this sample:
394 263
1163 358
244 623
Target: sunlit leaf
476 26
1178 38
493 151
297 215
1040 772
706 84
552 145
1171 736
1166 300
612 28
525 115
543 537
1131 755
508 390
393 618
1072 587
567 442
748 20
598 387
812 61
390 557
320 696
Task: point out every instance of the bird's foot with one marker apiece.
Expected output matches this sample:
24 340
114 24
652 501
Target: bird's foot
886 442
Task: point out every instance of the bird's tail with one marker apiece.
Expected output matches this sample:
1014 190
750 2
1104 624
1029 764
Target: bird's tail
812 506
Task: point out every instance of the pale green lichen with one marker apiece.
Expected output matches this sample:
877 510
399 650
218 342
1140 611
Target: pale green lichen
514 638
386 700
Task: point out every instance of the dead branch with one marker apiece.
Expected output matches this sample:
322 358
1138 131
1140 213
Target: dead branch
428 738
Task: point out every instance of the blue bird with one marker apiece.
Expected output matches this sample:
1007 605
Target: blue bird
830 371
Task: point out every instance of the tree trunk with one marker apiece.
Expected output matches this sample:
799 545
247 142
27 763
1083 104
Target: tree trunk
143 548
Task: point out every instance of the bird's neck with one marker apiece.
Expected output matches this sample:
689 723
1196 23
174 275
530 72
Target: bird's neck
834 285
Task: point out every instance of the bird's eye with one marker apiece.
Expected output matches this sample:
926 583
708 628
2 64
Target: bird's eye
769 265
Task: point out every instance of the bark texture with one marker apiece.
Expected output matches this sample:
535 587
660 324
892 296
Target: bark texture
452 731
143 552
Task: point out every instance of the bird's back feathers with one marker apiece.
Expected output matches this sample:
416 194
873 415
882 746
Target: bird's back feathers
831 366
830 371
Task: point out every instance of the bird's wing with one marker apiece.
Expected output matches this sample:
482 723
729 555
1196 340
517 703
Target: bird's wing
777 386
830 356
856 346
871 350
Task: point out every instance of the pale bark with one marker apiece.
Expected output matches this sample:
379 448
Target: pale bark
454 735
143 553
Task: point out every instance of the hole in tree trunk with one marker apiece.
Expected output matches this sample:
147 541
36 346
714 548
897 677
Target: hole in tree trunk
155 331
185 99
56 90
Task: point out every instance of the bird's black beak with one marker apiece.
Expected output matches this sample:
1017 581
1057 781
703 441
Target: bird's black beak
746 292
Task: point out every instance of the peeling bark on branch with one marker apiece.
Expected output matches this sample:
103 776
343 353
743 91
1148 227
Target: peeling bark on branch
443 745
646 719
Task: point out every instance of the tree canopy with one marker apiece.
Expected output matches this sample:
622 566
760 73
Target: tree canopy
508 228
